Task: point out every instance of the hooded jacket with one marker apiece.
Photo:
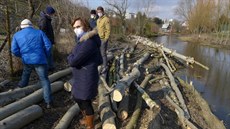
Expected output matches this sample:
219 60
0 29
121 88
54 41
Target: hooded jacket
46 26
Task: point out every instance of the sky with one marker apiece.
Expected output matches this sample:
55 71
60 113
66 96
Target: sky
161 8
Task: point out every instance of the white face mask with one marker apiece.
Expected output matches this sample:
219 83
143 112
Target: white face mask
100 14
78 32
92 16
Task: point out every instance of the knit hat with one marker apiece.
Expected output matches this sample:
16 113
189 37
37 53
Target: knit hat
26 23
93 12
50 10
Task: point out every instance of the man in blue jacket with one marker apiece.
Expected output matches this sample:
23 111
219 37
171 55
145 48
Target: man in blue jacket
33 47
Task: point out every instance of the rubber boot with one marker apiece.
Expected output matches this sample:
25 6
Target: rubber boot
83 120
89 121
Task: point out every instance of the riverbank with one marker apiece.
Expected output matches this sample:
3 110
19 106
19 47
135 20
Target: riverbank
201 115
211 40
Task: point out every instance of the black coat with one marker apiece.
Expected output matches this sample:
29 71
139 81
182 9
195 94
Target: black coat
85 58
46 26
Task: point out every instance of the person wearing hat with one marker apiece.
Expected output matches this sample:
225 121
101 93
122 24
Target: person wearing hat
93 19
46 26
33 47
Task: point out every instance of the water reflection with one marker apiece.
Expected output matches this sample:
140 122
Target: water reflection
214 85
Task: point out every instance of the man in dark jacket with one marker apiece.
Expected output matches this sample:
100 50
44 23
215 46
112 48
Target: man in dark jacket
84 59
33 47
46 26
93 19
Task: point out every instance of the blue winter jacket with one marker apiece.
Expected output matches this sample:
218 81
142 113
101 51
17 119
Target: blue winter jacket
31 45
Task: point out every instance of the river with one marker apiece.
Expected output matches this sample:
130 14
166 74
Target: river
214 84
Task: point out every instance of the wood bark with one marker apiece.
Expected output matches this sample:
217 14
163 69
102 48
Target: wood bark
188 60
133 121
21 118
33 98
67 118
123 108
181 115
10 96
8 28
146 97
176 89
123 84
122 67
106 114
3 44
142 60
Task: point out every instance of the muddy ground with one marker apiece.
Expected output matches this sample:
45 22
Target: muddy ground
167 118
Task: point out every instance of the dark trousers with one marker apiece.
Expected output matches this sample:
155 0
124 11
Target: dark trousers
85 105
103 50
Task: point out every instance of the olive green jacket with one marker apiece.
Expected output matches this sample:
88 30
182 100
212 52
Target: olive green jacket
103 27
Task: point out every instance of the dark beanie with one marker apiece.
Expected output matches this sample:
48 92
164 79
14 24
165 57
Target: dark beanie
93 12
50 10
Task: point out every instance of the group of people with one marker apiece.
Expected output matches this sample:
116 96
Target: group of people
34 47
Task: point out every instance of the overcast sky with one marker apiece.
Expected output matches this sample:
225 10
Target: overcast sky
161 8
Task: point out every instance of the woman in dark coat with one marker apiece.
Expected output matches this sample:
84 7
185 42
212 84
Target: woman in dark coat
84 59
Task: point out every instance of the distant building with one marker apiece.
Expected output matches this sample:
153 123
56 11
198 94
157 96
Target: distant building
166 27
130 15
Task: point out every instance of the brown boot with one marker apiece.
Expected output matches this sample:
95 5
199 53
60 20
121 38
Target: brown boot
83 121
89 121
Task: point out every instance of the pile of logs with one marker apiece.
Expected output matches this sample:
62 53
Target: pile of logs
127 69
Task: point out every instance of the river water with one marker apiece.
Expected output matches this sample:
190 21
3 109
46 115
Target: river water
214 84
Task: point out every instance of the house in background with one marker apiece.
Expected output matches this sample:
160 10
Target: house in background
166 27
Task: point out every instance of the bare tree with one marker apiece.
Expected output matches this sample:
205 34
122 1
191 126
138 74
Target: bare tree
184 8
119 8
32 9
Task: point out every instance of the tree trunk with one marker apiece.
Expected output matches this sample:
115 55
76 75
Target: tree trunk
106 114
133 121
21 118
10 96
33 98
123 84
31 9
146 97
9 37
123 108
176 89
67 118
188 60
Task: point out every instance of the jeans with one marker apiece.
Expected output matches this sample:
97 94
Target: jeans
50 60
103 50
42 72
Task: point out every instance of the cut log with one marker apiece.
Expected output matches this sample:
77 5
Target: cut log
146 97
180 113
176 89
154 45
122 67
123 108
142 60
29 100
10 96
3 83
123 84
67 118
21 118
167 62
106 114
133 121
